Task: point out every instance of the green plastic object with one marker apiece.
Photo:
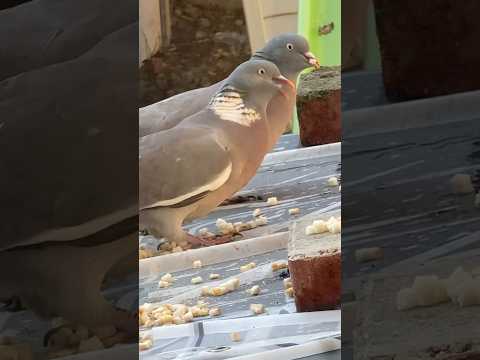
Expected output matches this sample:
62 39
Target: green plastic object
314 15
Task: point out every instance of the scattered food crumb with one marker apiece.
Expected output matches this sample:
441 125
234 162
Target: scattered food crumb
279 265
332 225
247 267
462 184
461 288
235 336
197 264
222 289
254 290
196 280
332 181
257 309
214 276
145 343
294 211
368 254
261 220
216 311
256 212
289 292
271 201
287 283
225 227
163 284
199 311
168 278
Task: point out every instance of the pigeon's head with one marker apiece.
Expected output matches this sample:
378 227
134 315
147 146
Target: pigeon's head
259 81
290 52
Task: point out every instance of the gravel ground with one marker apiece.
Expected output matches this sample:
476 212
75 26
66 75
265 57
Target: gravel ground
208 42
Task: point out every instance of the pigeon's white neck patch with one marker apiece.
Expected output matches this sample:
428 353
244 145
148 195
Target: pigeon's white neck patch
228 105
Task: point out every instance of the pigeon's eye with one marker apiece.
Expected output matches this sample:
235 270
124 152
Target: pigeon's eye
289 46
261 71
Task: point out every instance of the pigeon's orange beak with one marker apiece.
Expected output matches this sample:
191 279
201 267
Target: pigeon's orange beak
312 60
284 85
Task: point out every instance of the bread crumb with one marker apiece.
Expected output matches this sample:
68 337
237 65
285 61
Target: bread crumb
196 280
235 336
257 309
197 264
279 265
214 276
188 316
223 289
462 184
334 225
224 227
368 254
232 284
247 267
177 249
163 284
287 283
256 212
294 211
218 291
145 343
254 290
216 311
168 278
332 181
289 292
271 201
261 220
199 311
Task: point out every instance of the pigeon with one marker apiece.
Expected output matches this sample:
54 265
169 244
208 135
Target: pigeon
188 170
290 52
70 204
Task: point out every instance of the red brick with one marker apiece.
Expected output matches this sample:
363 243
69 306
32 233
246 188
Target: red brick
315 263
318 107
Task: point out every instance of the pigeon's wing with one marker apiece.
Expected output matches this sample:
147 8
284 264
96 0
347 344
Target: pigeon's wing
63 176
180 166
170 112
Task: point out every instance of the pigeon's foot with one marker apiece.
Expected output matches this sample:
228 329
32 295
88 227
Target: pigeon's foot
239 199
211 240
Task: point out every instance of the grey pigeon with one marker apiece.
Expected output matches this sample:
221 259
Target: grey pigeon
70 205
187 171
290 52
